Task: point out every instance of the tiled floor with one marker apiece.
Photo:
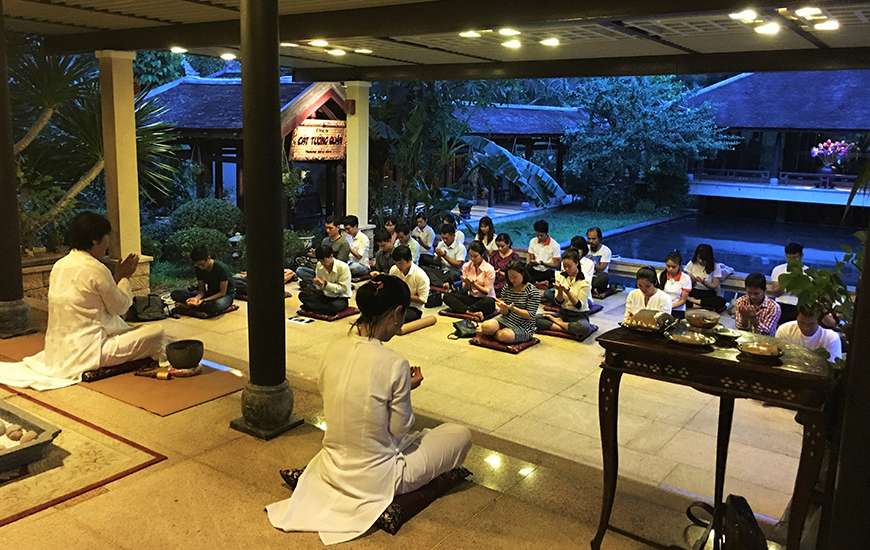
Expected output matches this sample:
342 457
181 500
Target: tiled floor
537 412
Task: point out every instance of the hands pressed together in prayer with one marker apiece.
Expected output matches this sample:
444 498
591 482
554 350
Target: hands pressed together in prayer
127 267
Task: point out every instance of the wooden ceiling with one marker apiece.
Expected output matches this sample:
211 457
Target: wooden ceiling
420 39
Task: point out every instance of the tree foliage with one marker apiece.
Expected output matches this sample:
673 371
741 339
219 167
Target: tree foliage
154 68
637 139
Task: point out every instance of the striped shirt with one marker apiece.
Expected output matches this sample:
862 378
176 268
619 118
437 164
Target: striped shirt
529 298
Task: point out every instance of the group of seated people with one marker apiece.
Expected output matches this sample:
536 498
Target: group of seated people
675 287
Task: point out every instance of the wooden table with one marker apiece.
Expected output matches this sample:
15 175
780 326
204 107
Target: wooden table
799 380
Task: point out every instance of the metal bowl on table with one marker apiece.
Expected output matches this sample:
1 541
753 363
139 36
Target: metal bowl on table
702 318
764 350
689 338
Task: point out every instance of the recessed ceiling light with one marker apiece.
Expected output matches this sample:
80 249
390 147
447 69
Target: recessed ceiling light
289 45
336 52
771 27
469 34
512 44
228 56
744 15
507 31
319 43
552 41
178 49
829 25
808 13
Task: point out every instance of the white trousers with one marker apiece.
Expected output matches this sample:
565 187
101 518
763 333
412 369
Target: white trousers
439 450
139 343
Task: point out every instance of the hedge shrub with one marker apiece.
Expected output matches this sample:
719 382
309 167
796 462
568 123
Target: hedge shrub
293 248
179 245
207 213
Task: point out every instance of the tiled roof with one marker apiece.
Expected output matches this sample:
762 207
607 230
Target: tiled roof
519 119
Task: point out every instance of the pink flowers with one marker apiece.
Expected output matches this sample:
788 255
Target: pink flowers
831 152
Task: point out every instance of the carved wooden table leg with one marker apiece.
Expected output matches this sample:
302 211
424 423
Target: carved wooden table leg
723 436
812 450
608 401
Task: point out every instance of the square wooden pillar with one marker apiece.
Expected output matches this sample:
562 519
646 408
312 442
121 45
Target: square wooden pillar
357 193
119 150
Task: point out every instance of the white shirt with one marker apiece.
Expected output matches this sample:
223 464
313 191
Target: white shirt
602 255
455 251
587 267
366 391
460 237
337 280
824 338
786 298
579 289
634 302
426 236
418 283
490 246
415 249
84 309
699 271
544 252
360 245
675 289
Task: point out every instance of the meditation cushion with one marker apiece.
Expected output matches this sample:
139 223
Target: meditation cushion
123 368
405 506
347 312
566 335
492 343
593 309
244 297
189 312
449 313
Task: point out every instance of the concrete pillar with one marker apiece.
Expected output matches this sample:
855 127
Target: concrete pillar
14 313
358 151
119 150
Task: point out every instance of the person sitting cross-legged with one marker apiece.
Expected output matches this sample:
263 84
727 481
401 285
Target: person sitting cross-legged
571 293
601 255
446 266
587 266
676 283
370 452
330 289
418 282
424 235
501 259
755 311
518 305
647 295
334 239
383 260
358 261
706 277
544 254
794 256
806 332
477 294
404 238
215 290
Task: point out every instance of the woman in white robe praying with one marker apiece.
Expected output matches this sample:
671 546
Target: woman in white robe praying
369 454
85 302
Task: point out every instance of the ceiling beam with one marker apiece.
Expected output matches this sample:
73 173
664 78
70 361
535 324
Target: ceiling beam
121 13
785 60
440 16
795 27
628 30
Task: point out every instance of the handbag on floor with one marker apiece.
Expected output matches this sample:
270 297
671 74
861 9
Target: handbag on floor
740 530
463 329
147 308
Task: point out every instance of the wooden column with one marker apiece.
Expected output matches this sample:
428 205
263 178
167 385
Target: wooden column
357 161
14 313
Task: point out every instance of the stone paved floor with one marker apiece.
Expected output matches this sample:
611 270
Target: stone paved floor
536 457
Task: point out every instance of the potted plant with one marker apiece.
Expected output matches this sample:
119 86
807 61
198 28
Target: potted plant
832 154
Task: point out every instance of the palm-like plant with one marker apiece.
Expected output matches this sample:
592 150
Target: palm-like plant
81 152
42 84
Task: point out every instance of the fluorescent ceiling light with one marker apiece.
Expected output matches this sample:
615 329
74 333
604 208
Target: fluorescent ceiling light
744 15
507 31
469 34
768 28
363 51
336 52
808 13
512 44
829 25
552 42
178 49
289 45
228 56
319 43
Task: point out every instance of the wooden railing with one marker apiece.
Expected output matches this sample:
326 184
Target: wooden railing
728 174
816 179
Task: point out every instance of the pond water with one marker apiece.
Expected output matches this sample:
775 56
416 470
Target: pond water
747 245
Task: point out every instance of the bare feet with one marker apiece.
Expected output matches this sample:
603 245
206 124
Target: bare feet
476 315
